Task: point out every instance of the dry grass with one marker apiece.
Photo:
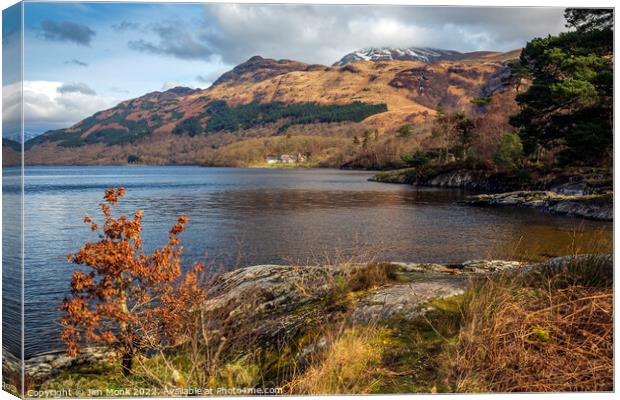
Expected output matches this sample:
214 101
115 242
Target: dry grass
367 276
254 151
548 331
347 270
346 366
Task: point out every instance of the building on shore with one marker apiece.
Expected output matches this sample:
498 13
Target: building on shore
286 159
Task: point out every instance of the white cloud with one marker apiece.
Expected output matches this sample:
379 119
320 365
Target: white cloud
11 109
46 101
323 34
47 106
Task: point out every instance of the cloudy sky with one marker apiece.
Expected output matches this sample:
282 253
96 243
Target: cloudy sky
81 58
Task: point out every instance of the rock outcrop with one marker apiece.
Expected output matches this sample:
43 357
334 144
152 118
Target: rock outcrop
50 363
281 300
286 299
597 207
584 194
455 179
572 181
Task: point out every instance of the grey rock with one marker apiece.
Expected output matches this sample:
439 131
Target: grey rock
454 179
420 267
598 207
62 361
486 266
571 188
406 300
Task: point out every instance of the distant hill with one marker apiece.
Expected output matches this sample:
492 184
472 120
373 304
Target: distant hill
263 100
11 152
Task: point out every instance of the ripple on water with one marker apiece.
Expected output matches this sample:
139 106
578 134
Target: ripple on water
266 216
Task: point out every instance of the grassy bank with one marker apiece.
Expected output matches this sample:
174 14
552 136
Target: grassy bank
548 329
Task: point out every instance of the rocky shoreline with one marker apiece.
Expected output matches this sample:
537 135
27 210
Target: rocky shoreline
571 182
588 196
281 295
289 299
597 207
52 362
458 178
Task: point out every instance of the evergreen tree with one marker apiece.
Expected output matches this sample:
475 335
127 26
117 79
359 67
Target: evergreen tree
418 159
405 131
569 105
510 151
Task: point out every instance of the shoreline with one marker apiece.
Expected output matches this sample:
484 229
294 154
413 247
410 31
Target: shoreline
279 166
597 207
416 284
571 195
476 266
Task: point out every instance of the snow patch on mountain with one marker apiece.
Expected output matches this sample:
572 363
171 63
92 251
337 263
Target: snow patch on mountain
424 54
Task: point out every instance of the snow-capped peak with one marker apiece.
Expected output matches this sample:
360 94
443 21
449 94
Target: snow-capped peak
424 54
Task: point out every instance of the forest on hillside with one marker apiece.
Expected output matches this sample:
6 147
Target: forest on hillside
556 110
221 117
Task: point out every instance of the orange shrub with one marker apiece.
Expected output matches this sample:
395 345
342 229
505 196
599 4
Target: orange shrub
128 300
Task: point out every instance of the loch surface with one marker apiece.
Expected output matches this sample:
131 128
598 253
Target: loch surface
240 217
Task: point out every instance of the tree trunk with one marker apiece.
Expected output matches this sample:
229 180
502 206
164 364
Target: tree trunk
128 349
127 363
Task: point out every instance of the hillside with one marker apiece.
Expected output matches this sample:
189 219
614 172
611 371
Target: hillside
266 106
10 152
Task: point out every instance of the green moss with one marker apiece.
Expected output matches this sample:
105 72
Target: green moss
412 355
541 334
106 379
416 352
405 175
93 380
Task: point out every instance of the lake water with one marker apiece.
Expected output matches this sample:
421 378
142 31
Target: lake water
240 217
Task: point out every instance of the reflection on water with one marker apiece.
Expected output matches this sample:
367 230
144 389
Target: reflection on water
269 216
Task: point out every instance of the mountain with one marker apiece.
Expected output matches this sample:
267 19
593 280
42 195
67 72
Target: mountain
423 54
258 68
265 106
17 136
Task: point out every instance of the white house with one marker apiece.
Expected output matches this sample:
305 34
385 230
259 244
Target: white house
286 159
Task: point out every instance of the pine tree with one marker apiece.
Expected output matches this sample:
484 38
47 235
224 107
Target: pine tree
569 105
